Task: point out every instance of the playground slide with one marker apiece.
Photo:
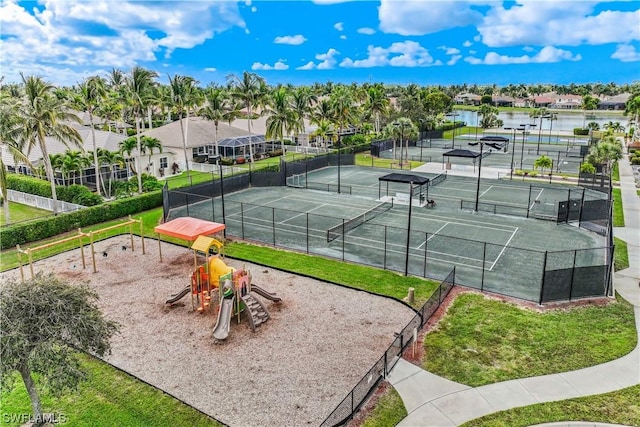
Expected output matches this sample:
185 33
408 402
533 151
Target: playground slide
176 297
263 293
223 324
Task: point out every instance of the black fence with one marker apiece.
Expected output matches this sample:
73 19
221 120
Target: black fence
358 395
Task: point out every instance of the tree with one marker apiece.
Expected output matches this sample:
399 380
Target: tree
543 162
148 144
324 131
111 159
377 104
605 153
302 100
139 85
281 116
343 107
489 115
184 98
91 94
217 107
45 322
250 89
43 115
9 133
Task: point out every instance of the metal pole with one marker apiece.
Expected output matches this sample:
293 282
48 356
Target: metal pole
479 171
224 219
339 145
522 151
406 262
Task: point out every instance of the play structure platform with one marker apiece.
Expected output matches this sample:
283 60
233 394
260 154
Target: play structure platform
216 281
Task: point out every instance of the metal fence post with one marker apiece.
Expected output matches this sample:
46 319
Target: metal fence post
573 272
307 234
344 236
384 261
273 224
484 256
544 269
242 219
426 243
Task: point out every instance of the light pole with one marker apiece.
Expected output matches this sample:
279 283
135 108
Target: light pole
544 116
479 171
421 137
402 125
339 147
454 115
523 127
218 159
406 260
513 149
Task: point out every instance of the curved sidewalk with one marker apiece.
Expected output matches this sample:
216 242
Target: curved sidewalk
434 401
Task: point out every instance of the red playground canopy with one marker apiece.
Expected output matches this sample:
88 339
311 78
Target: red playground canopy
188 228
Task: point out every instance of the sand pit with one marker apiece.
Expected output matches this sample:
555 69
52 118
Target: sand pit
292 371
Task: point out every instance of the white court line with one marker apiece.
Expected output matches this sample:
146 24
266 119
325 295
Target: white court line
303 213
468 223
503 248
432 235
536 199
485 191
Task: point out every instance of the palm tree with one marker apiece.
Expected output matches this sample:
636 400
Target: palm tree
250 89
72 163
605 153
302 100
91 95
489 115
343 106
217 107
148 145
377 104
139 85
127 147
282 118
184 97
324 131
543 162
42 115
9 134
111 159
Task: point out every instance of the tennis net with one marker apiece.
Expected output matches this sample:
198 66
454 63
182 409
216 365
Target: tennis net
348 225
437 179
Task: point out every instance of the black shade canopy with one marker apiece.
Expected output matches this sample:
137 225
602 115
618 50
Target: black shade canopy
461 153
405 178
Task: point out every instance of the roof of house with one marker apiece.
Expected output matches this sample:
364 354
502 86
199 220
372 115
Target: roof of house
107 140
200 132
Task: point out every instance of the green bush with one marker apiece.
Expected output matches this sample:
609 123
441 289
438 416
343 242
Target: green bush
226 161
19 234
587 168
75 193
357 139
580 131
635 160
131 131
275 153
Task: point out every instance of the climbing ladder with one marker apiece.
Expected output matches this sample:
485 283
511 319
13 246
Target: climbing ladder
258 312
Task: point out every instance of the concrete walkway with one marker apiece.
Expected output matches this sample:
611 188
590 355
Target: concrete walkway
434 401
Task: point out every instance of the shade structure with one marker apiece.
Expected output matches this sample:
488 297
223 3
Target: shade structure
188 228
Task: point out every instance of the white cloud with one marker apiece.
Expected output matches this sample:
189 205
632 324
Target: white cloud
566 23
128 33
343 37
292 40
328 59
454 59
308 66
547 54
339 26
210 69
367 31
279 65
412 18
626 53
449 50
254 9
467 43
401 54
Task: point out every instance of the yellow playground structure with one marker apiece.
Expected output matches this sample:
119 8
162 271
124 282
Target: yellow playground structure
216 281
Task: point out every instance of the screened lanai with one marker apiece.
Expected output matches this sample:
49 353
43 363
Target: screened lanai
239 146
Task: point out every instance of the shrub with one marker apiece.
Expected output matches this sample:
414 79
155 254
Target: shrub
73 193
635 160
587 168
275 153
357 139
21 233
519 172
580 131
226 161
131 131
533 173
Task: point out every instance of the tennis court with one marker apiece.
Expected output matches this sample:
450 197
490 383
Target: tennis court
504 254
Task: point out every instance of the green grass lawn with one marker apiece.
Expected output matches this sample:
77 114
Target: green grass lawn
389 410
108 398
615 173
366 159
19 212
621 255
618 407
492 341
618 213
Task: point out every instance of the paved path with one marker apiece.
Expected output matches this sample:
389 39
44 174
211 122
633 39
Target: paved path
434 401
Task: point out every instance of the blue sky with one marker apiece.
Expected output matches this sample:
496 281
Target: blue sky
301 42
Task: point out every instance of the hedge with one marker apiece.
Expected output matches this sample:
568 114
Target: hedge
580 132
31 231
74 193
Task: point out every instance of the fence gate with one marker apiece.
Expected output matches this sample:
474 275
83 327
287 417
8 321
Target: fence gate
569 210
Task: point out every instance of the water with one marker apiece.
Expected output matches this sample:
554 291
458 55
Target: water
565 121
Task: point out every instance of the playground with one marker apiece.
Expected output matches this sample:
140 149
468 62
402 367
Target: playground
293 370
